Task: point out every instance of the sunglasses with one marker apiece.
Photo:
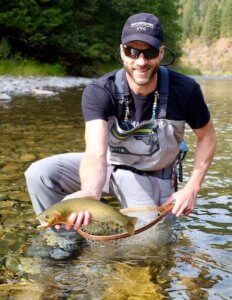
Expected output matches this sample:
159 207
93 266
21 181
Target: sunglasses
134 53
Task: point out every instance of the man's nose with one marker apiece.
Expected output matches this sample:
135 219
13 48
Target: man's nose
141 60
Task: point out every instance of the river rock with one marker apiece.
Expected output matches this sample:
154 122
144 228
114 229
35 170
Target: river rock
5 97
46 93
41 86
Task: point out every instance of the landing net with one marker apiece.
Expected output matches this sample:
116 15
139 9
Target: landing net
147 217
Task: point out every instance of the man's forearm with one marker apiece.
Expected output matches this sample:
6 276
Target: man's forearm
204 152
93 172
187 196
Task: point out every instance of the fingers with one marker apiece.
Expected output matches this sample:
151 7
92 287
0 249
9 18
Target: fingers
57 227
87 219
77 220
181 209
71 220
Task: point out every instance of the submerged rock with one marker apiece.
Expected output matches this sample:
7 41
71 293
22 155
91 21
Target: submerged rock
55 245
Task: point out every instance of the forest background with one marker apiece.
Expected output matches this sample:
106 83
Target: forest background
81 37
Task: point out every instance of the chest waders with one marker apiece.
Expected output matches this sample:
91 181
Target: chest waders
152 147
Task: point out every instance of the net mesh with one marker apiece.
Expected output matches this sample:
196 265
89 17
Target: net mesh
160 233
103 228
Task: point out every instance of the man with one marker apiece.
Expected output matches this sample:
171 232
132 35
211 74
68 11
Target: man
134 123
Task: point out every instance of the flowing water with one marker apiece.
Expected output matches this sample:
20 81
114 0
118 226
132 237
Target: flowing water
196 264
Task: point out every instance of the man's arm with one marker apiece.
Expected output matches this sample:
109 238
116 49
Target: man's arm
93 169
205 148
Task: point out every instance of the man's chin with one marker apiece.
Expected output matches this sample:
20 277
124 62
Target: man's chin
140 81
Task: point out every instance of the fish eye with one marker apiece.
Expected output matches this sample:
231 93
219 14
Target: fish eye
46 216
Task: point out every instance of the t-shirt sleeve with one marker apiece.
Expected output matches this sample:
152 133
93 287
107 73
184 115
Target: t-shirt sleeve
197 115
96 103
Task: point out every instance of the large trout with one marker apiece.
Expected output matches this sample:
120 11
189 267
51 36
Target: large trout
100 212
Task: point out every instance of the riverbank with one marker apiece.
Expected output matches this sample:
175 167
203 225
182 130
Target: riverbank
213 59
25 67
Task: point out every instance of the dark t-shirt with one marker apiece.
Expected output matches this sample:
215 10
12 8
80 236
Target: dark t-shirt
185 101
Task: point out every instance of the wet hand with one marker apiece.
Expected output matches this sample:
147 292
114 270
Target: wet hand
185 202
77 220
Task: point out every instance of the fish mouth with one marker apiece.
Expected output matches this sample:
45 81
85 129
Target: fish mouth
43 225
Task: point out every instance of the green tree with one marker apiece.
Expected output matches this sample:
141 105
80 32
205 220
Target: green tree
167 11
211 26
77 33
43 29
226 18
187 19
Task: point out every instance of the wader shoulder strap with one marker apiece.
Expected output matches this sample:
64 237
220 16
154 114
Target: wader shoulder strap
121 89
163 92
119 85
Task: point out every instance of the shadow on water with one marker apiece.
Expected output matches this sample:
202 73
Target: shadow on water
196 265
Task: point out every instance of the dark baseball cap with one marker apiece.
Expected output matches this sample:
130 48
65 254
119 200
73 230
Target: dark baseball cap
143 27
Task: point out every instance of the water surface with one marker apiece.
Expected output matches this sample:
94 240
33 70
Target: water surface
196 264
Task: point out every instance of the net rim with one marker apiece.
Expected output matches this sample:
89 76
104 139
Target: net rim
163 210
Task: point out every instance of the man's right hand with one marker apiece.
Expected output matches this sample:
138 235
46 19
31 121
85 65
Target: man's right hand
77 220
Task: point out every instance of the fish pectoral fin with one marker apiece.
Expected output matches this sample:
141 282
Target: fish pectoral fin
130 225
133 220
130 229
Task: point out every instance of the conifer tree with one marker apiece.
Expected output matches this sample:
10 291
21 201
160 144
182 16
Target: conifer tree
226 18
187 19
211 25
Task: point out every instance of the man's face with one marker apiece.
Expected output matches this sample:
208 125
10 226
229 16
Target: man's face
141 70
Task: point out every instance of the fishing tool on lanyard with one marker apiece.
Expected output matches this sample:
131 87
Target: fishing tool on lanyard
127 121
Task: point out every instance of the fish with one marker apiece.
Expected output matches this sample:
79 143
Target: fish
100 212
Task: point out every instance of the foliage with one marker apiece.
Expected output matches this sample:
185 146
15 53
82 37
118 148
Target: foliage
208 19
25 67
77 33
211 25
191 16
43 29
226 18
5 49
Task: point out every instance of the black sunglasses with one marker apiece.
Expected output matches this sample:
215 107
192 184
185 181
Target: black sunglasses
134 53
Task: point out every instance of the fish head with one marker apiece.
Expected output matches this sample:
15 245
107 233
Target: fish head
49 218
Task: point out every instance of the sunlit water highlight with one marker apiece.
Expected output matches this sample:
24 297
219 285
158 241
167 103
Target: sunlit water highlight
195 264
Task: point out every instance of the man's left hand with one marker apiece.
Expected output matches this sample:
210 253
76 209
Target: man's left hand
184 202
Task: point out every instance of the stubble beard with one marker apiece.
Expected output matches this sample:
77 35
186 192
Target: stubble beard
145 81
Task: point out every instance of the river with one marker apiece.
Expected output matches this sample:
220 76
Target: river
195 264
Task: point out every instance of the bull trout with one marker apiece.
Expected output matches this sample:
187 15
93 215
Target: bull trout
100 212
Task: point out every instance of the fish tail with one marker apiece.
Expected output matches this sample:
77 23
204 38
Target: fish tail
130 225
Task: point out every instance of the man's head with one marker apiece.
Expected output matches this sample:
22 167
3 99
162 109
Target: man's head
142 50
143 27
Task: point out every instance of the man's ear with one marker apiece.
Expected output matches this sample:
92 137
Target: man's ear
121 52
161 53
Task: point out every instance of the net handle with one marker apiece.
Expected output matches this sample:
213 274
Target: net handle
163 209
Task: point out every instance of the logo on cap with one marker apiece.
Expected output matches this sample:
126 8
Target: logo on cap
142 26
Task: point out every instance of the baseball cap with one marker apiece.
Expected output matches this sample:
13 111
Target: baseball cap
143 27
